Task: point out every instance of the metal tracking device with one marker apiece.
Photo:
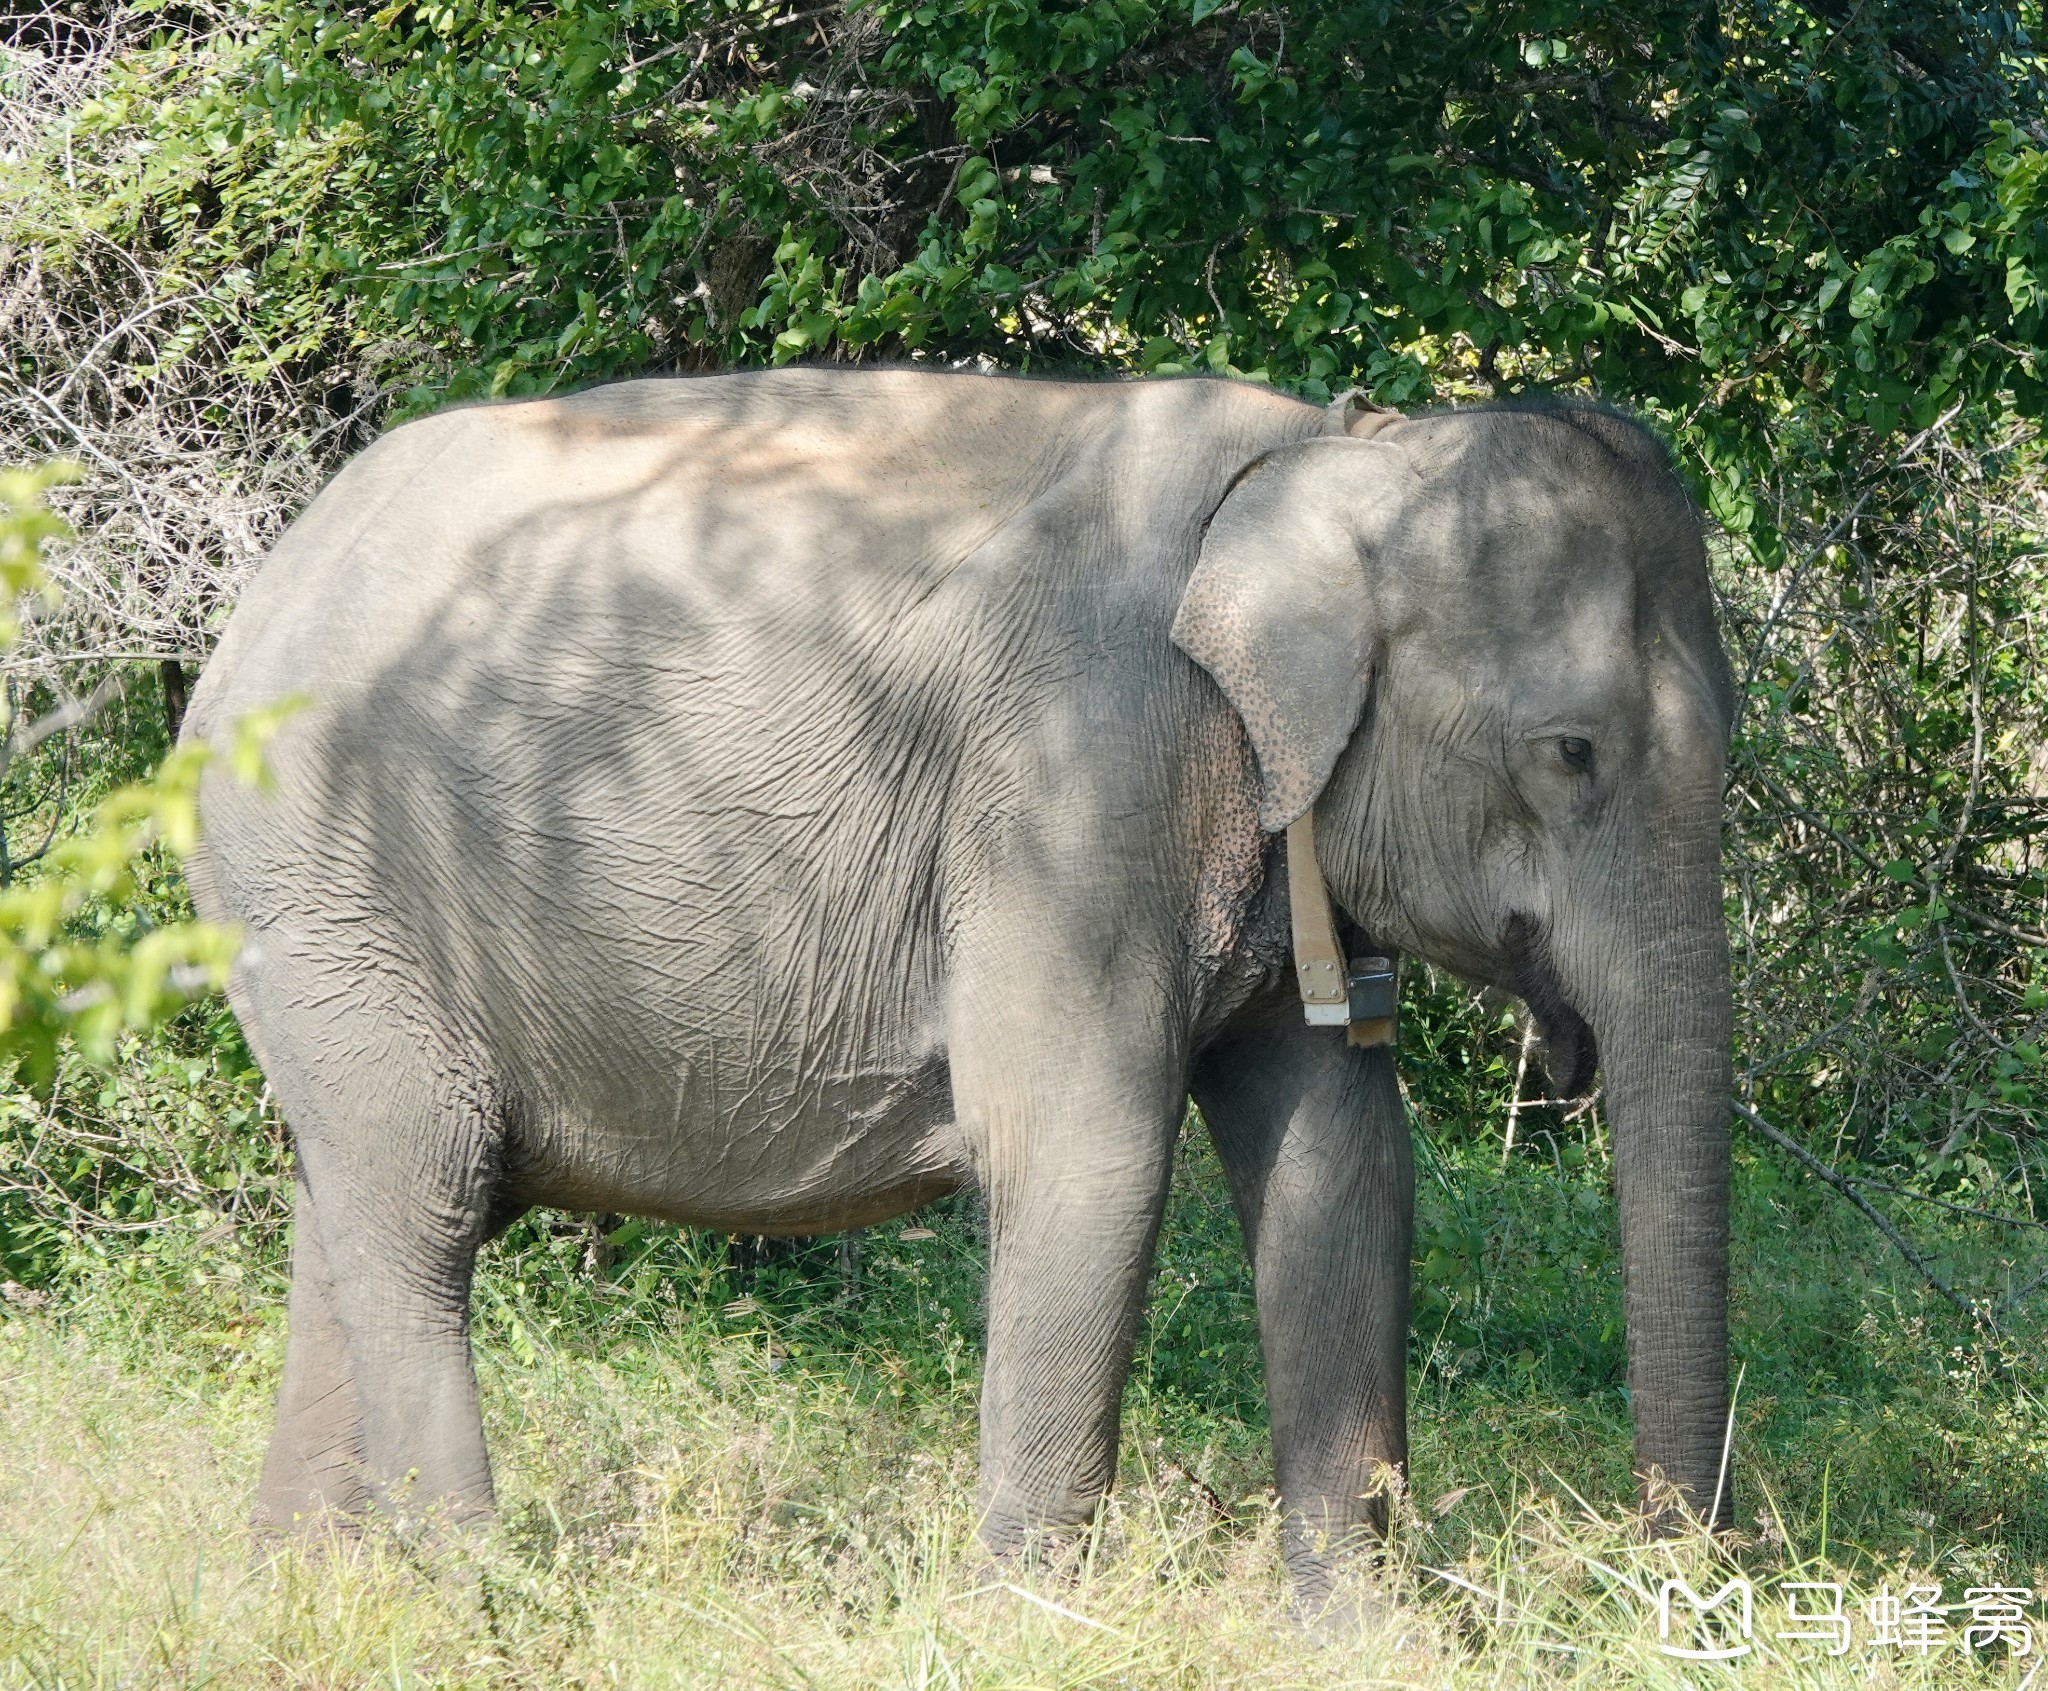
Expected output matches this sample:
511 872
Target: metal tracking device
1374 995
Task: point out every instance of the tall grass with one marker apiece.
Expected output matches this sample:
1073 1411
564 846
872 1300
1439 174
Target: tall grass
711 1476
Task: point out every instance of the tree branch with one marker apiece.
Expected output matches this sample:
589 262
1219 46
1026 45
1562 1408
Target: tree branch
1842 1184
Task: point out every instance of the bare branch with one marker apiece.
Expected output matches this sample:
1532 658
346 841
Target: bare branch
1876 1217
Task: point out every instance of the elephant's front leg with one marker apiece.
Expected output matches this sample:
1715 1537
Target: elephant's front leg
1072 1103
1312 1138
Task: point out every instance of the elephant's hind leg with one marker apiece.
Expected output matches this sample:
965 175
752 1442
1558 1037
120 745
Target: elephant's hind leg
314 1469
398 1157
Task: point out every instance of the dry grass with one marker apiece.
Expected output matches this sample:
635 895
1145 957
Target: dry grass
691 1509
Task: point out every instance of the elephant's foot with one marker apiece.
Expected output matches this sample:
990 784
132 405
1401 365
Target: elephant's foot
309 1497
1346 1610
1337 1585
309 1535
1012 1552
315 1526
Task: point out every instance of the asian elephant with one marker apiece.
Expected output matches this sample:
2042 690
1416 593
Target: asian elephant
769 801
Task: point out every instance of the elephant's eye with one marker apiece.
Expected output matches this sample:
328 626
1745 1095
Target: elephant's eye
1577 753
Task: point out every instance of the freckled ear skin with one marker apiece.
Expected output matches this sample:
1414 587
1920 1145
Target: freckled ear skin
1281 608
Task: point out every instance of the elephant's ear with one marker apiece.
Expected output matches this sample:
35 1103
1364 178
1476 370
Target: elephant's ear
1280 607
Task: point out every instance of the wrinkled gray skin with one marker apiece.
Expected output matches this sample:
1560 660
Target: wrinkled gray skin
770 801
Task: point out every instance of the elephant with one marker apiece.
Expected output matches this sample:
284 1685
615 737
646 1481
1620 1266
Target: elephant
768 801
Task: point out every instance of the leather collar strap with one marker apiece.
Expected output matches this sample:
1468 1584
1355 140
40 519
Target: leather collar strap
1360 998
1318 963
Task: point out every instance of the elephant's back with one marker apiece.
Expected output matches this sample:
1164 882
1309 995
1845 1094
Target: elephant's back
690 614
508 525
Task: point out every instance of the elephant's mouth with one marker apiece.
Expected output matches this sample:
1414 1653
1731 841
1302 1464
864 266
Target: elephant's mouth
1568 1050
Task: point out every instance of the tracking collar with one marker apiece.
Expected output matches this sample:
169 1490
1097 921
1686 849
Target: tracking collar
1359 996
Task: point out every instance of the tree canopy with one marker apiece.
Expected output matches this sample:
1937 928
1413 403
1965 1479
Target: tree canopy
1698 205
1809 240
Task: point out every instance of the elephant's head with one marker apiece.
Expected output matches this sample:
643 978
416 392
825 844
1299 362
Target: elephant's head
1481 646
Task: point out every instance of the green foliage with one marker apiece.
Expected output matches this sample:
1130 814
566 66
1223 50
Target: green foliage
60 977
1766 207
77 960
26 525
1888 871
1728 215
123 1164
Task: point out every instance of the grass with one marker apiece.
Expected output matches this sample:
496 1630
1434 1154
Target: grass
717 1477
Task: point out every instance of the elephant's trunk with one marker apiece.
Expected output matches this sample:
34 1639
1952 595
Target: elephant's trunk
1661 1015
